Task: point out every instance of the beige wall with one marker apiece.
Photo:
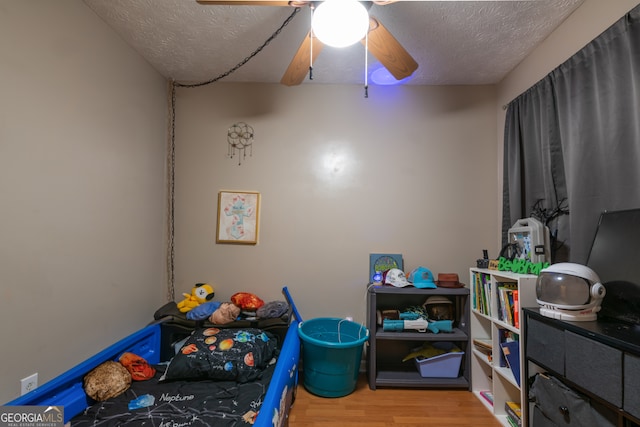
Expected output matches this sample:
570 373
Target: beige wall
409 170
82 140
82 144
418 174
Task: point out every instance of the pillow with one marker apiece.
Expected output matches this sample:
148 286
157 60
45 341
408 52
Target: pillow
236 354
107 380
137 366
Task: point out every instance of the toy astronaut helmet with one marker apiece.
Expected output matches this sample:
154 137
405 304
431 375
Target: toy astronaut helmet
439 307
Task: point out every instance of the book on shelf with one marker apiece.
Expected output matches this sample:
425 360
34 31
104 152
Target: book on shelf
487 294
512 422
511 350
514 412
484 344
472 286
487 395
482 291
516 309
505 335
477 298
506 306
502 315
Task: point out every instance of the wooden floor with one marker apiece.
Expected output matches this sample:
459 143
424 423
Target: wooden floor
386 407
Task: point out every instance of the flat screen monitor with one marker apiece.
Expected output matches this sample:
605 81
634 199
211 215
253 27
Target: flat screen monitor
615 257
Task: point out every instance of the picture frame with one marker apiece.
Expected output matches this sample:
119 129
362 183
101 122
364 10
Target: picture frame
238 217
384 262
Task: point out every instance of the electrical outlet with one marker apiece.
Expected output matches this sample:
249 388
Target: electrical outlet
29 383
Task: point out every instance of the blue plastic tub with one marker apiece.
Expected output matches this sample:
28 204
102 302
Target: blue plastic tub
331 354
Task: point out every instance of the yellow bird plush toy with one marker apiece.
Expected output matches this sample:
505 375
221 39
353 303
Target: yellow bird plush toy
201 293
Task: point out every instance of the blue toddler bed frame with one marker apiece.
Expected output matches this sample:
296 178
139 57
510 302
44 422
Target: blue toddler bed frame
67 389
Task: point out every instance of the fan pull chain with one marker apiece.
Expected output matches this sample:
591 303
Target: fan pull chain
366 64
311 45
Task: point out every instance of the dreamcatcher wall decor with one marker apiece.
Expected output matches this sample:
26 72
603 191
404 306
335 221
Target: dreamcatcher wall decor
240 138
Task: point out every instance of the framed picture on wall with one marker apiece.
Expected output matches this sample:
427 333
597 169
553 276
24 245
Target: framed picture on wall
238 217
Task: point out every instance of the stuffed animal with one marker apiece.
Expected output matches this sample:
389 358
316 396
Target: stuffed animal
137 366
272 309
226 313
247 301
107 380
201 293
203 311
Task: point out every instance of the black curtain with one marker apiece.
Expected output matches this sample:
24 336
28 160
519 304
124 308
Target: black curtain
572 142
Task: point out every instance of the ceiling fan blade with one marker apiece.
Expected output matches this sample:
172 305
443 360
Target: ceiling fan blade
252 3
299 66
389 51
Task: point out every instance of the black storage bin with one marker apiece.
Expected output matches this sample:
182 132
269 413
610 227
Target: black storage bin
555 404
545 345
600 372
631 384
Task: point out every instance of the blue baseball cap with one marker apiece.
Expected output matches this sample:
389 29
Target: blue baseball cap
422 277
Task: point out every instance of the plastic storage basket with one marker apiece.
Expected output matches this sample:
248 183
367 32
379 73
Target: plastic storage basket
446 365
331 354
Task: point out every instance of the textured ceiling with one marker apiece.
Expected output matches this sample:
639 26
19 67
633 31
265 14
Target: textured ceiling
454 42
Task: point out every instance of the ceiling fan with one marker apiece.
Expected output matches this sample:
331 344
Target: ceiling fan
381 43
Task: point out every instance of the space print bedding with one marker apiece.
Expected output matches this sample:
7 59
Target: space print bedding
218 377
195 374
180 403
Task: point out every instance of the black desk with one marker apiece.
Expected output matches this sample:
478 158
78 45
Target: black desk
599 359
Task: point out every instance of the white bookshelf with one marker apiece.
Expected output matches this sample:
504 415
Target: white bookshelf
487 324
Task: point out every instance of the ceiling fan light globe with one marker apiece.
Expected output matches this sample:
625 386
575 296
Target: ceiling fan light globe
340 23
